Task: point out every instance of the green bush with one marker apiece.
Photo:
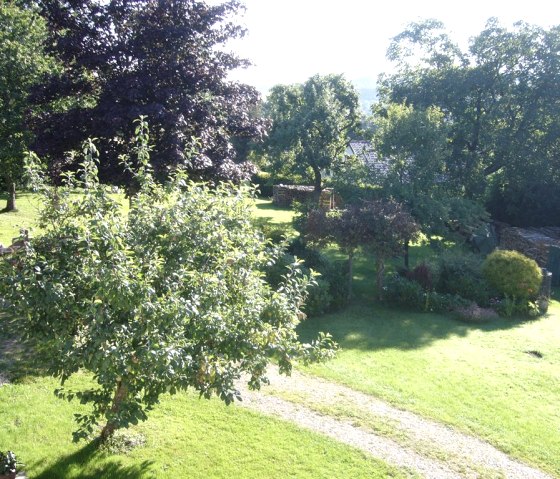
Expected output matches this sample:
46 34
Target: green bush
461 275
444 302
319 300
329 291
400 290
513 275
335 273
406 292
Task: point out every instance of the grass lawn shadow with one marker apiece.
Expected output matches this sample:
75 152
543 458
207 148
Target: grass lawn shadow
93 464
18 358
370 326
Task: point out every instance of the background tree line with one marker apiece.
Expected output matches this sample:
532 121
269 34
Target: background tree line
481 124
90 68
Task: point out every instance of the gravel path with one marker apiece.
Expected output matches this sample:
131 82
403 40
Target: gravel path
465 456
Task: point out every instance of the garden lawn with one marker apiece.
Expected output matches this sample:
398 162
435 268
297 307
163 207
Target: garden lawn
186 437
274 214
484 379
26 215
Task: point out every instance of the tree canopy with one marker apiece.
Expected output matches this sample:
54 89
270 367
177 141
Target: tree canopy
500 99
311 123
413 143
164 60
22 63
169 297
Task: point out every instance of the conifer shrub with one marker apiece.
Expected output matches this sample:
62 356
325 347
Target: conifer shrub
513 274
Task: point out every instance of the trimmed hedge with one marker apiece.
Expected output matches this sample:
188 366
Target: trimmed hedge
513 274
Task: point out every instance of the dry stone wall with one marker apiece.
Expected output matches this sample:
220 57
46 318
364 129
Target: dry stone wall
285 195
532 242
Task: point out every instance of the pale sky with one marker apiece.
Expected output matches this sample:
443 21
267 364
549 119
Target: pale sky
290 40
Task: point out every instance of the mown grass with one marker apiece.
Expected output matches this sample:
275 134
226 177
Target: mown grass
483 379
24 217
185 437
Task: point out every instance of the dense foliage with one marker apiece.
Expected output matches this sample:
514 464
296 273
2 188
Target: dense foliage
413 143
311 124
513 274
461 274
170 297
22 63
328 291
500 99
381 226
161 59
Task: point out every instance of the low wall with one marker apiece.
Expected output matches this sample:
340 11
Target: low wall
285 195
532 242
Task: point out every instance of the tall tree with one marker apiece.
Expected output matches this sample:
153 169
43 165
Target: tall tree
311 123
22 62
413 144
168 297
161 59
501 100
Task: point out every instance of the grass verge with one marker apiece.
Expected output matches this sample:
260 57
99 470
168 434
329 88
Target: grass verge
481 379
185 437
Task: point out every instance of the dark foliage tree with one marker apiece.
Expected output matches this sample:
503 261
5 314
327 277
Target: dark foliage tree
501 100
311 124
380 226
390 225
161 59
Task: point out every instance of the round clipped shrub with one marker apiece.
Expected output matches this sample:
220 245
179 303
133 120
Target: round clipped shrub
513 274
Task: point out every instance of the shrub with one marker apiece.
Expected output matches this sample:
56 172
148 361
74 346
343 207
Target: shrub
335 273
318 300
405 292
444 303
461 274
422 274
400 290
329 291
513 275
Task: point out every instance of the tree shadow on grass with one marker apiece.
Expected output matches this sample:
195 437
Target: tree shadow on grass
369 327
18 357
269 207
86 458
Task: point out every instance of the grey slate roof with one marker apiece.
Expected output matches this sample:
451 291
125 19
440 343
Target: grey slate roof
363 149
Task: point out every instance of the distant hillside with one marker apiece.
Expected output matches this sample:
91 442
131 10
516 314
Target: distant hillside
368 96
367 89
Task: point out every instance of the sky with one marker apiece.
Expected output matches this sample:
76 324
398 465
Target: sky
288 41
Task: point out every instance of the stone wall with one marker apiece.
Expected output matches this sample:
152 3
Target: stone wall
285 195
532 242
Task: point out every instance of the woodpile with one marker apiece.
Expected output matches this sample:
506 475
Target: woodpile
532 242
285 195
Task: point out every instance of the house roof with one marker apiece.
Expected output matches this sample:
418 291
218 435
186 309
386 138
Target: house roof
364 149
